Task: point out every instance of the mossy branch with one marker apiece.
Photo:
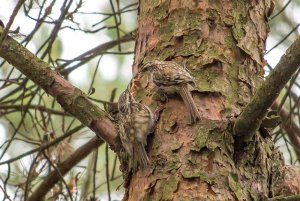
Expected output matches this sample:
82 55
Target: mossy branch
249 120
73 100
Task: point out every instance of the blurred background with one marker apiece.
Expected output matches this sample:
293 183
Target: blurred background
91 44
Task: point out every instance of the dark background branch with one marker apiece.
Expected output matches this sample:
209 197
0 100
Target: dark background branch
64 167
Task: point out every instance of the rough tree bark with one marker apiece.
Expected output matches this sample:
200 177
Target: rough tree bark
222 44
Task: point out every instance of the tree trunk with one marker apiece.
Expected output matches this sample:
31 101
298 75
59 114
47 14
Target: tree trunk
222 44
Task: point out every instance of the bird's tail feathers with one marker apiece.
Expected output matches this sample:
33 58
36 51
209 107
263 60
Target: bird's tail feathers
140 158
190 104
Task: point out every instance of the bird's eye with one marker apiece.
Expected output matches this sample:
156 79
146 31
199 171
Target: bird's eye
145 67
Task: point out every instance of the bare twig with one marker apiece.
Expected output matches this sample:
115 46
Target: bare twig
281 10
5 194
107 172
36 107
60 175
64 167
44 146
11 20
291 129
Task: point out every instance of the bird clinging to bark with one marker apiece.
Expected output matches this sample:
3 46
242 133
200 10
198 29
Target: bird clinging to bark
135 123
174 78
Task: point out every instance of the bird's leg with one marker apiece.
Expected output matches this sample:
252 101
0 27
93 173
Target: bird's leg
162 95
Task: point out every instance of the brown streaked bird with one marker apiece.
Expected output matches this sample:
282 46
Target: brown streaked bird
174 78
136 121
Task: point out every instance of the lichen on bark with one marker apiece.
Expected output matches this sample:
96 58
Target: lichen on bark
222 44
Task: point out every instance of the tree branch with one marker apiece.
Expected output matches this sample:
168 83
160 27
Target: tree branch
69 97
42 147
249 120
64 167
35 107
291 129
92 53
11 20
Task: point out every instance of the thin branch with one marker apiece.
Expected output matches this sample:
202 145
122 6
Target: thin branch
44 146
36 107
59 174
65 167
5 194
250 119
283 39
95 172
107 172
116 23
281 10
30 175
11 20
92 53
291 129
